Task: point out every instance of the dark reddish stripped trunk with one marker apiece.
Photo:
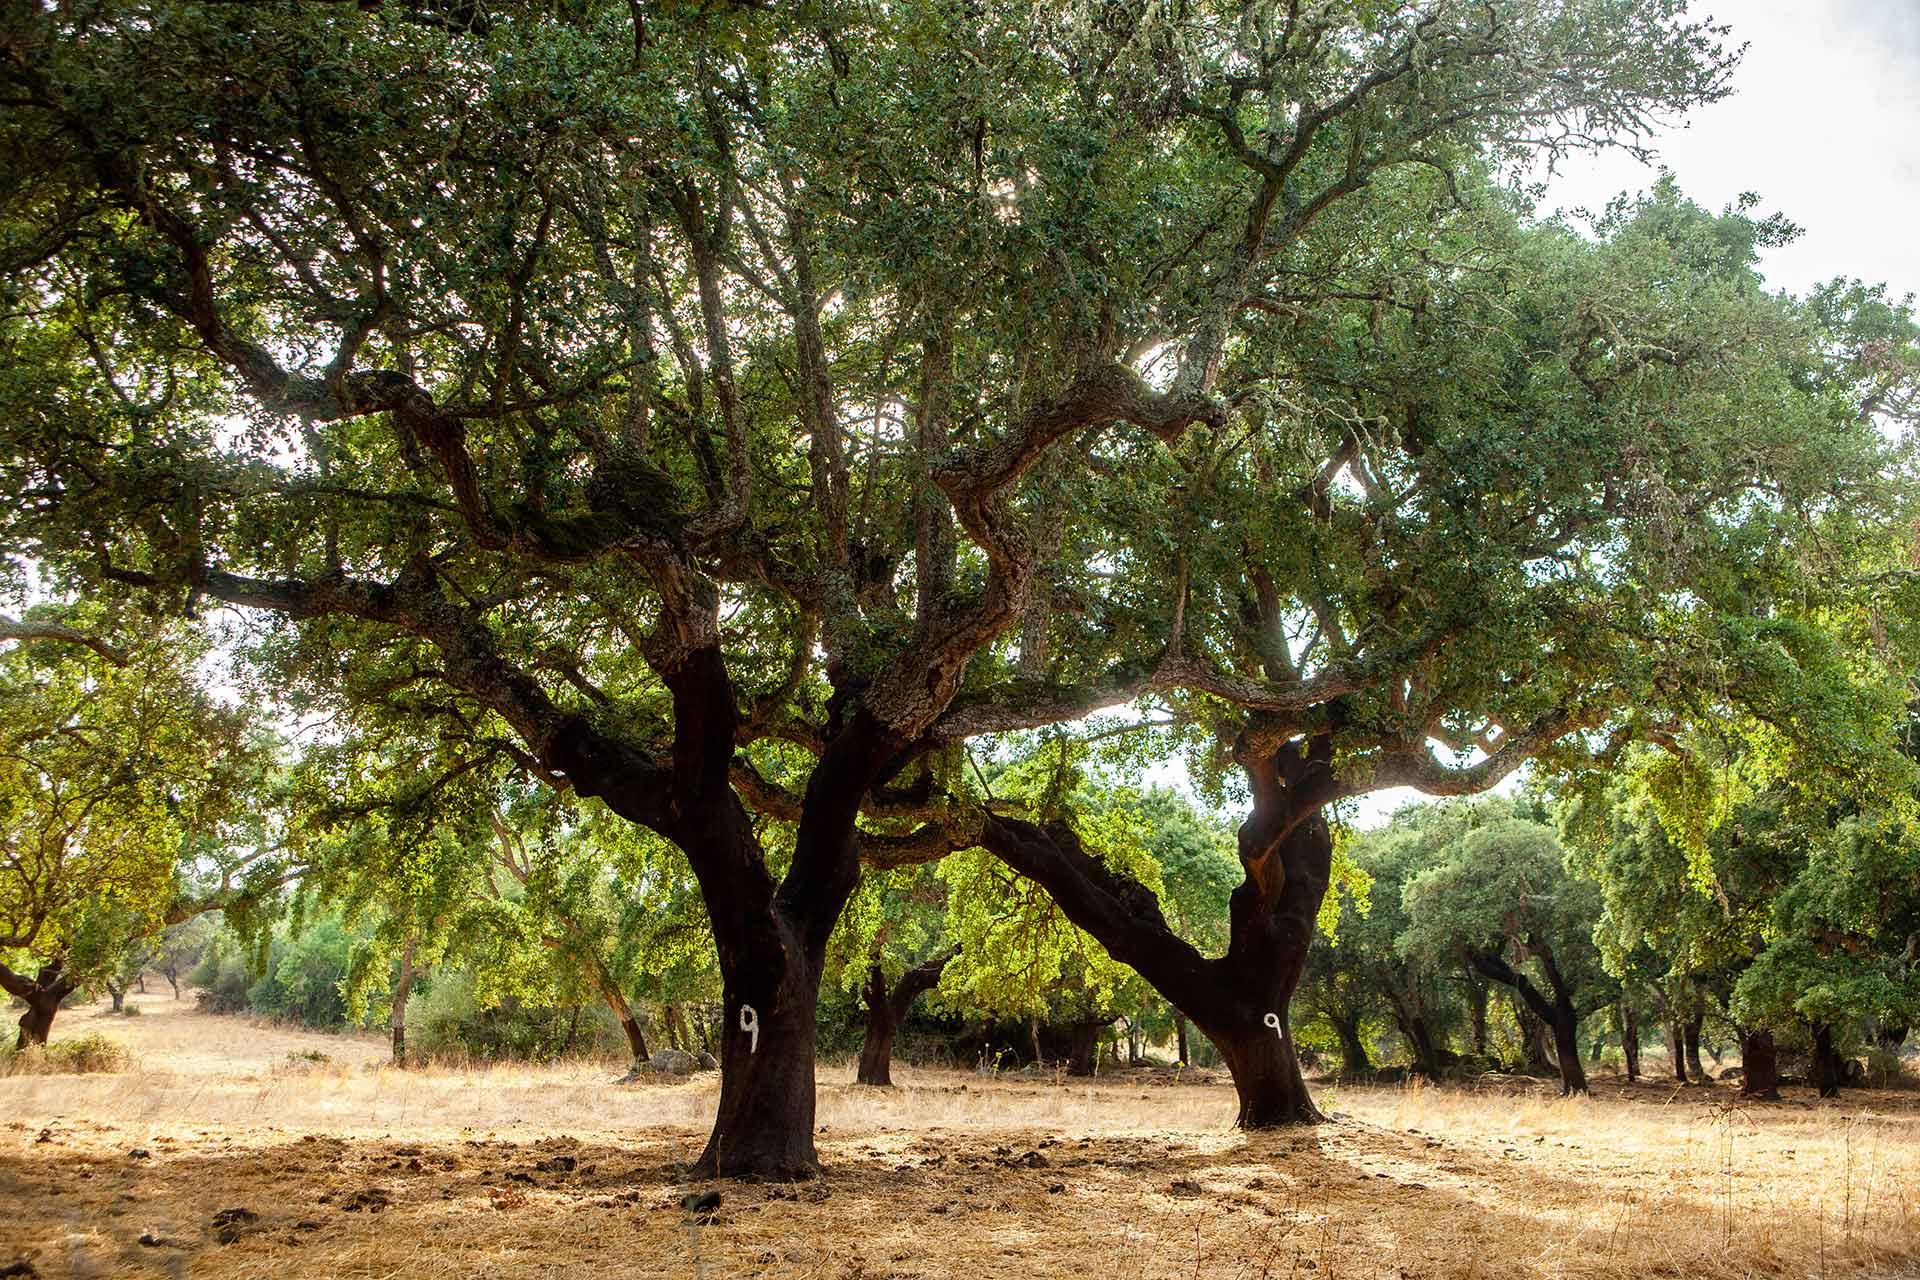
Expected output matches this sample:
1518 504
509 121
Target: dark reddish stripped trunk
1677 1050
1828 1068
886 1010
1556 1012
1690 1038
1240 1000
770 937
42 995
1759 1066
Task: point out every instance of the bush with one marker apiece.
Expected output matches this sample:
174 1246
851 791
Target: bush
82 1055
448 1020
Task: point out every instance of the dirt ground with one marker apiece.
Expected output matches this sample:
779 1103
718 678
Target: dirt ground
223 1153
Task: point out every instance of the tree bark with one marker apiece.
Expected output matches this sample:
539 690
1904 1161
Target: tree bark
1240 1000
1759 1066
1354 1061
402 989
1677 1050
1180 1038
1826 1062
1477 1016
117 993
1630 1038
1558 1015
42 995
1085 1040
1690 1038
886 1010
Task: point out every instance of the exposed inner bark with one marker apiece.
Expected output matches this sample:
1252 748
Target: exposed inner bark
886 1010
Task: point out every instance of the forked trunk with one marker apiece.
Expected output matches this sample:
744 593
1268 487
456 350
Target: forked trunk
42 994
876 1052
1240 1000
886 1010
1759 1066
118 994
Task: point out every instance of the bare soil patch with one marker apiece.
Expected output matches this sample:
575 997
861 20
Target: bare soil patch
221 1156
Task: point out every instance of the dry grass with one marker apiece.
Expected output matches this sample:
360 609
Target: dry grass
352 1169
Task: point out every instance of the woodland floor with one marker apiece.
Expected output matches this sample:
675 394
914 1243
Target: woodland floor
352 1169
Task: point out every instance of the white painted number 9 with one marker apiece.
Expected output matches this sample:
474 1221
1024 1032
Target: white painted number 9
1273 1020
750 1023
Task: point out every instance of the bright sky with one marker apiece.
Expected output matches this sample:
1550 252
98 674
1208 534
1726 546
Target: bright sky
1823 124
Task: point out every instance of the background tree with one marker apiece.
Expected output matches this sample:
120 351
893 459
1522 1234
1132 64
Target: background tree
1501 899
116 778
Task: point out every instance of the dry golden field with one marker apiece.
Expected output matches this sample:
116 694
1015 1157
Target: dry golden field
347 1168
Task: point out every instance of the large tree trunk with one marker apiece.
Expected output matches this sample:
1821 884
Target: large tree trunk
1677 1050
1759 1066
42 995
1690 1038
886 1010
1180 1038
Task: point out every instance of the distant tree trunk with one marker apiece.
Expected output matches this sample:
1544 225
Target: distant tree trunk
1477 1016
172 976
887 1010
1759 1066
1677 1050
1082 1046
1630 1038
140 982
1558 1014
1827 1066
1354 1061
1412 1022
402 989
1690 1034
42 995
1180 1038
116 991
